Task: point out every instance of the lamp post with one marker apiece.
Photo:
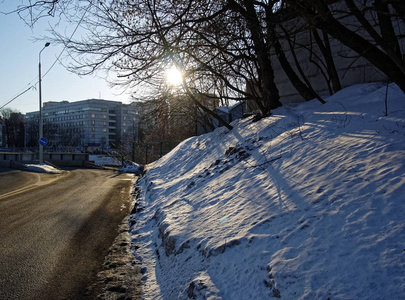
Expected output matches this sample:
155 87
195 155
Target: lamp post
41 128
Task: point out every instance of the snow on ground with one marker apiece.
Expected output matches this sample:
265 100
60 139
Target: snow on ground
305 204
131 167
42 168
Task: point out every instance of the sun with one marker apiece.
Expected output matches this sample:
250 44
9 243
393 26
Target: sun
174 77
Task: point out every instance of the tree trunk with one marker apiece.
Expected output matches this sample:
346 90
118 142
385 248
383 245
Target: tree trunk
270 94
306 92
386 28
330 64
399 7
324 20
386 42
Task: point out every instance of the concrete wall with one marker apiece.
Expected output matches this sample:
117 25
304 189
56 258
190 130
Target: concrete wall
58 159
351 67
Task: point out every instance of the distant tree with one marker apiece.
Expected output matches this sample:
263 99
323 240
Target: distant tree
62 138
32 126
6 112
14 127
167 119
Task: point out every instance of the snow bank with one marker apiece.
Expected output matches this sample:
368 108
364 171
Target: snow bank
306 204
131 167
42 168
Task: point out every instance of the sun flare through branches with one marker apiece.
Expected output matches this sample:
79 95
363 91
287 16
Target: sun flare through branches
174 77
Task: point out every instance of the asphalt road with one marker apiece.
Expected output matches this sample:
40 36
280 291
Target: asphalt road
55 230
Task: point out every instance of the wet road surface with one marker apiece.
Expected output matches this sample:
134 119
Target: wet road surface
55 230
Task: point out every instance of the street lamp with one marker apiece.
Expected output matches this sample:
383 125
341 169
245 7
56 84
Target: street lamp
41 129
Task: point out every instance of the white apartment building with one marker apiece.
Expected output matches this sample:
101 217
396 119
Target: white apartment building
91 124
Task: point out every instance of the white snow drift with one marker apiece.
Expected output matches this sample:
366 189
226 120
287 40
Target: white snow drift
308 203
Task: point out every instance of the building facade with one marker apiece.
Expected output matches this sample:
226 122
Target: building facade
86 125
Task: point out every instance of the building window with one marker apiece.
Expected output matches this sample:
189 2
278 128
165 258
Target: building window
93 115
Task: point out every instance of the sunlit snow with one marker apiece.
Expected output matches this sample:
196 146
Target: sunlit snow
305 204
42 168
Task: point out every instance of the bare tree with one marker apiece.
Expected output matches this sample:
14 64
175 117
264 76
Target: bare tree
222 45
352 23
33 10
14 127
218 44
6 112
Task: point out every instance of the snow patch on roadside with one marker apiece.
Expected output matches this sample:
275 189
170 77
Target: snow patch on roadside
42 168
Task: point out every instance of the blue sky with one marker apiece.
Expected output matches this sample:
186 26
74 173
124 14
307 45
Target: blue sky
19 68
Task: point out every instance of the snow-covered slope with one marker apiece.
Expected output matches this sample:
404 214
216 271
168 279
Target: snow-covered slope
306 204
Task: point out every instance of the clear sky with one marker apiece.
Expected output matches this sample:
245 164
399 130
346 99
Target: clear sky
19 68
